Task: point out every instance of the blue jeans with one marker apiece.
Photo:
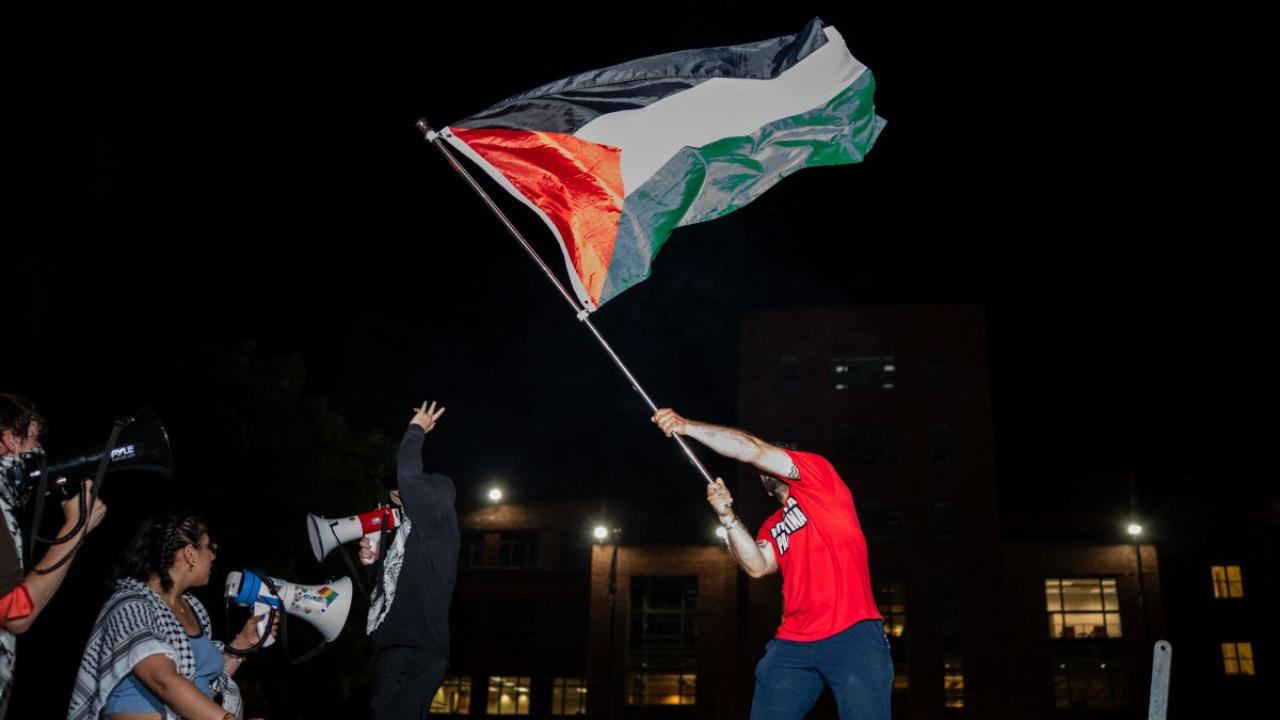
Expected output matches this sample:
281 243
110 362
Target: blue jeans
854 663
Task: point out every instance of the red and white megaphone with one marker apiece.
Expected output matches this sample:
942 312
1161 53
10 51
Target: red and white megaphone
328 533
324 606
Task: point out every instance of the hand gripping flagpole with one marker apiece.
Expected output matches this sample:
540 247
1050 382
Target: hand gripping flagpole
582 314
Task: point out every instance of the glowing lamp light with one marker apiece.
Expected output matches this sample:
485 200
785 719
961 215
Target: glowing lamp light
495 494
601 532
1135 529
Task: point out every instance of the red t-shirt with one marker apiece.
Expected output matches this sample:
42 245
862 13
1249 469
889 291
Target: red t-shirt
821 553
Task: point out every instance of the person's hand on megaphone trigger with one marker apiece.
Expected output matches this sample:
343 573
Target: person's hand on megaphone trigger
71 509
426 417
368 555
248 636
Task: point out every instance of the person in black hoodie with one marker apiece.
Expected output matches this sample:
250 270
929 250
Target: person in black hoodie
409 608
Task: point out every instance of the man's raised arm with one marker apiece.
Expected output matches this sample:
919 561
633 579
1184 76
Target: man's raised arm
730 442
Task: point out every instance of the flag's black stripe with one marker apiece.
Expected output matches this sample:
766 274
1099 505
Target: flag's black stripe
566 105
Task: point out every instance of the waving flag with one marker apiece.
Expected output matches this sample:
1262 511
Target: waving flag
614 160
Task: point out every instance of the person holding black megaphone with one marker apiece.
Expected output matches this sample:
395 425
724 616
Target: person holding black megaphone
24 594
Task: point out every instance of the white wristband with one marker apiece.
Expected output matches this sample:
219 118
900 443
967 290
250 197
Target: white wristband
731 523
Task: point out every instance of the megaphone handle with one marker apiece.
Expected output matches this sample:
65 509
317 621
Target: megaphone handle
374 539
264 610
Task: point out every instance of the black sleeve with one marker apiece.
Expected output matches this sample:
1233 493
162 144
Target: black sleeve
422 494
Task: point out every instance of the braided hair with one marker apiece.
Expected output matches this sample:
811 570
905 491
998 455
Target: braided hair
156 544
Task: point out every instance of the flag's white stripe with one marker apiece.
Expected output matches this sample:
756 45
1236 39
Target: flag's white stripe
719 108
502 180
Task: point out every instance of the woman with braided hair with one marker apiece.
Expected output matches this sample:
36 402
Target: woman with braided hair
150 655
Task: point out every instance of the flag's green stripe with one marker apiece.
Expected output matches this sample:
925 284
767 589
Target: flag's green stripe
704 183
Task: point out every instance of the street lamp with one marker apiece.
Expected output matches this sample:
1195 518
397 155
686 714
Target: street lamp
603 534
1135 532
495 494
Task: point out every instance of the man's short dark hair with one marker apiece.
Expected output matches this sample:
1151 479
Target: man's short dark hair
771 482
17 413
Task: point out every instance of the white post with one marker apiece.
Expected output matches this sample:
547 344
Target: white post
1161 659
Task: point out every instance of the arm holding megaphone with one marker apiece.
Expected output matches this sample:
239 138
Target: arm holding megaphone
41 586
247 639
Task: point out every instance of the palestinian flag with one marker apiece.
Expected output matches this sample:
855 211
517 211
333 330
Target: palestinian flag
615 159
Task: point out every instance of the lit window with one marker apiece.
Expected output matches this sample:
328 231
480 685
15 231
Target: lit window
953 683
892 603
1227 582
1237 658
508 695
569 696
661 688
1083 608
891 600
453 697
901 681
863 372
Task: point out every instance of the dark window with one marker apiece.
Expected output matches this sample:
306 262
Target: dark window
868 444
881 520
788 372
471 549
945 514
863 373
575 553
518 549
663 623
949 602
569 620
938 371
568 696
942 442
515 621
1090 676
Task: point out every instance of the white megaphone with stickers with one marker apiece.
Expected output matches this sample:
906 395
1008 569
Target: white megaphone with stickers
323 606
328 533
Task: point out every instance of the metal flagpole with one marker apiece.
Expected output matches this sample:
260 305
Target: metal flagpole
434 138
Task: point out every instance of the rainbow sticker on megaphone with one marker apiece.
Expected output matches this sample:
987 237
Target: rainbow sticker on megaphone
329 595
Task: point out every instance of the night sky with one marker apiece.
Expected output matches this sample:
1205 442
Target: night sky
254 174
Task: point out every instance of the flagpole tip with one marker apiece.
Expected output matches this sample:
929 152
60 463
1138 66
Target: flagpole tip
426 130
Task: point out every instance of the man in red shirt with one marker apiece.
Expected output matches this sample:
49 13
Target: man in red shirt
831 631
